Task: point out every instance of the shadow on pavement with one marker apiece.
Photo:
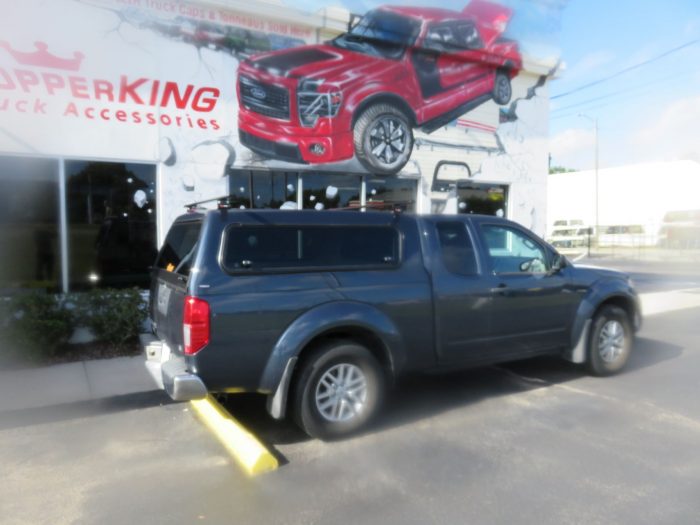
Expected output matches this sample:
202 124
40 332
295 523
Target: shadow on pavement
67 411
425 396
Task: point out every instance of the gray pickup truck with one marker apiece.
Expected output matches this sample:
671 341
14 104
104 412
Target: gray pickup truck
320 311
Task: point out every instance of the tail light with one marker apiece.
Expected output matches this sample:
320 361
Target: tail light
195 324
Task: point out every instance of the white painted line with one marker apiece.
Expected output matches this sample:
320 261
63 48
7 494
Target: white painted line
655 303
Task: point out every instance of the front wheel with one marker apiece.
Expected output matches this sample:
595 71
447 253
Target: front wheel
610 341
339 389
383 139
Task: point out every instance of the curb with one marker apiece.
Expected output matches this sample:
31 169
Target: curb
243 446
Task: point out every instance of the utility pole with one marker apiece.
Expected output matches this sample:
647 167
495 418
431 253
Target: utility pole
597 217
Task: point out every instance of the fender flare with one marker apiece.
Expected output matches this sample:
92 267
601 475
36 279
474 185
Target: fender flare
325 318
599 293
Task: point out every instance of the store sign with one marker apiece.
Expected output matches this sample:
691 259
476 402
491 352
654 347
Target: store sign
40 77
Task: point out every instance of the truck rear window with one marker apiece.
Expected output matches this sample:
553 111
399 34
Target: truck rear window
178 251
309 247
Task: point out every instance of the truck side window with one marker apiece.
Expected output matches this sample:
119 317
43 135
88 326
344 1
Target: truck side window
456 248
179 247
309 247
512 251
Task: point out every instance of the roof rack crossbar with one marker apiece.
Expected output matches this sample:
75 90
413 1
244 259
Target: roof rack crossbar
223 202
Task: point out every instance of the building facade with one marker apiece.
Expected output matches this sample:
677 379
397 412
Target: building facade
115 114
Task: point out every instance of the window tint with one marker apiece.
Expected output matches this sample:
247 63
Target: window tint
456 248
512 251
264 247
177 253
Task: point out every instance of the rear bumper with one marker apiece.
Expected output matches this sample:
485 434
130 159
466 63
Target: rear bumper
170 373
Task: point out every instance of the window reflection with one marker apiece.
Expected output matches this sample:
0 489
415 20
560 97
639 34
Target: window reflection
29 219
390 193
483 199
112 223
328 191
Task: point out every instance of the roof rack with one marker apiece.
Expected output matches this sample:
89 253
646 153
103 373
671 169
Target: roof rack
394 206
223 203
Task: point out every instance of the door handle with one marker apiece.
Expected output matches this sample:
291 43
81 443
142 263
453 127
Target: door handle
501 289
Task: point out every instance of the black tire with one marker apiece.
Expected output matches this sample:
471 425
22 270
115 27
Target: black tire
502 90
367 139
604 360
308 386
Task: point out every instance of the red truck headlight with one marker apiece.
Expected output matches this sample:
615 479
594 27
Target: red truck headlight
196 321
313 105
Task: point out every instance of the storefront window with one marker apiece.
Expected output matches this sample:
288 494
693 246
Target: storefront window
390 193
273 190
327 191
111 223
483 199
29 224
321 191
239 188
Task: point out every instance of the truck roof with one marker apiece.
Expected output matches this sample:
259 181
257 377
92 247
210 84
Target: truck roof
324 217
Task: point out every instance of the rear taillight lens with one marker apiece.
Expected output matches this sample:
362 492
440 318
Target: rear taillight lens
195 324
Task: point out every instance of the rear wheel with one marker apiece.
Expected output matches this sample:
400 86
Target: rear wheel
502 89
383 139
610 341
339 389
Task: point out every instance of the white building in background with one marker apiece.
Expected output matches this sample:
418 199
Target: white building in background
628 196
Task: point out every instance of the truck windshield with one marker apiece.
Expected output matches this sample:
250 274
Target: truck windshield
177 253
380 33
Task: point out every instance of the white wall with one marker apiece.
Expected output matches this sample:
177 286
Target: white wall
635 194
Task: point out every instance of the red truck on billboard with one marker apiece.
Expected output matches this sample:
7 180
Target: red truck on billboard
363 92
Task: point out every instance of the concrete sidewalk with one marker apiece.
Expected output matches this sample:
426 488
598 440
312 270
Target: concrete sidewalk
73 382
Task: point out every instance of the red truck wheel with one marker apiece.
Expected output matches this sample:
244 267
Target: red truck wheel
502 89
383 139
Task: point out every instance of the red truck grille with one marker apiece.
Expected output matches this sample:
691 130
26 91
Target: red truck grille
265 99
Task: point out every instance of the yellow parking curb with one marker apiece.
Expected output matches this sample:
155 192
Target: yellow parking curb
245 448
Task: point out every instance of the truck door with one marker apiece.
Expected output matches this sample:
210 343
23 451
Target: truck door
531 307
461 292
445 61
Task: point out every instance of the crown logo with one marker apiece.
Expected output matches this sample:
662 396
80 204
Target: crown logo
42 58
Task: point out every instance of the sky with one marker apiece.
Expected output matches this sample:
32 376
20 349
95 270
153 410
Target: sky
649 114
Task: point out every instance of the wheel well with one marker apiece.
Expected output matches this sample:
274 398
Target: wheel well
386 98
361 336
622 302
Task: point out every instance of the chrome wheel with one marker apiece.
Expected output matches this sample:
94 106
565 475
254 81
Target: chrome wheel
611 341
341 393
388 140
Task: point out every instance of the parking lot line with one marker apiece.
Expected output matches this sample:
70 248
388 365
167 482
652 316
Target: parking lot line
654 303
243 446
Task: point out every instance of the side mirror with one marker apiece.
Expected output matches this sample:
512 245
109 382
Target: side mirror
558 264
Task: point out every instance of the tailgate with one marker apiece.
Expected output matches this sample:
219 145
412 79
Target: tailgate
169 285
168 291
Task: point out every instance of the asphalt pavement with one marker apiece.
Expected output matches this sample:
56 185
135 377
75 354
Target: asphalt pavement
536 441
